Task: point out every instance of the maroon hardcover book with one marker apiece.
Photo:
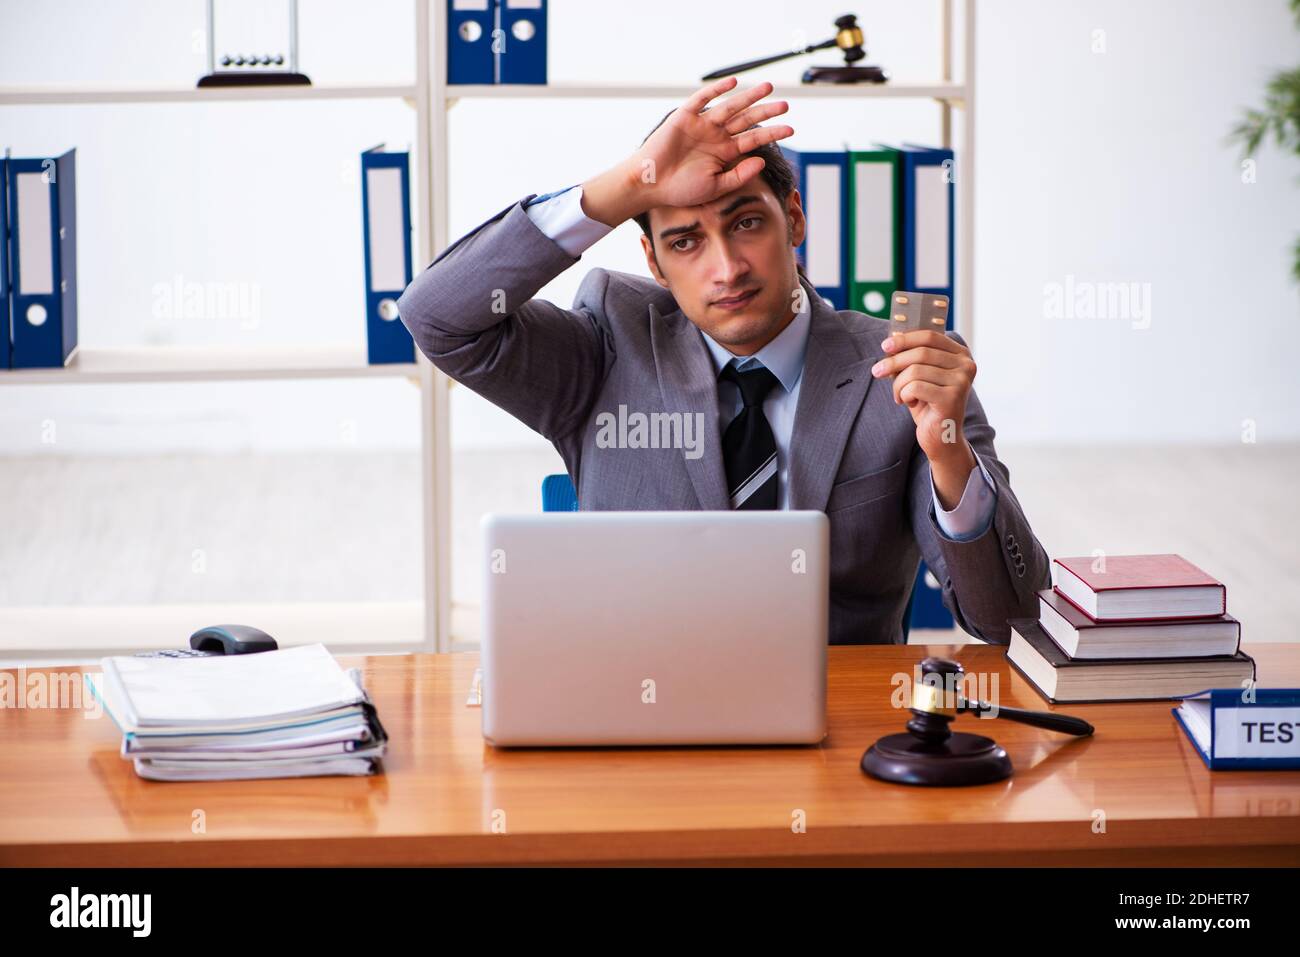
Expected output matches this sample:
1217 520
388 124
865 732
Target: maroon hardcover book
1139 587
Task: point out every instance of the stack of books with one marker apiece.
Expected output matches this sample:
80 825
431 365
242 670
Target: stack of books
275 714
1127 628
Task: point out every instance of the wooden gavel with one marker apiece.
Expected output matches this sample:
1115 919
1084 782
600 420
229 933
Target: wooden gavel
931 753
848 37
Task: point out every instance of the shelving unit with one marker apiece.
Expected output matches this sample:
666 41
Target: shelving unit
596 91
346 626
430 622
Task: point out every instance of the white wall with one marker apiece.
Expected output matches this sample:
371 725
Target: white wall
1104 167
1112 168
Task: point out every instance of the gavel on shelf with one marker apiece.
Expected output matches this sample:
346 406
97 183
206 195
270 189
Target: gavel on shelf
931 753
848 37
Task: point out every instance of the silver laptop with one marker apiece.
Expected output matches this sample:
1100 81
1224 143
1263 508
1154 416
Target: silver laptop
653 628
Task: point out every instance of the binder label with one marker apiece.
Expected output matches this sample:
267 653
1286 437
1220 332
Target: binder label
35 249
932 228
1257 732
823 215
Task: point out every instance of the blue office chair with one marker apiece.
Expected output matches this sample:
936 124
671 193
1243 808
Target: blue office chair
559 495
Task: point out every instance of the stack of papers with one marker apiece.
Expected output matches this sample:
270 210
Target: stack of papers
274 714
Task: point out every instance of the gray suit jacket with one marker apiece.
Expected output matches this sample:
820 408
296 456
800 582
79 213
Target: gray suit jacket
854 453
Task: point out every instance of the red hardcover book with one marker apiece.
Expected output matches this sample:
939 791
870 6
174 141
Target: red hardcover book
1139 587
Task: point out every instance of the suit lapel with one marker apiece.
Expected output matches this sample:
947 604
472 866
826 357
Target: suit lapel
688 383
834 385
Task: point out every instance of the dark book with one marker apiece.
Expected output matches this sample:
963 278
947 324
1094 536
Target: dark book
1059 678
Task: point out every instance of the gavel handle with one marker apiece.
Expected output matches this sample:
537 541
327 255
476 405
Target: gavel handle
1038 719
764 61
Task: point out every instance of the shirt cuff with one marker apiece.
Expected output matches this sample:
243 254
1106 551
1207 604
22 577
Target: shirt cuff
559 215
974 513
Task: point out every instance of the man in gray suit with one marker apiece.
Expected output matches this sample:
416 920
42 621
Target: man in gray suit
756 392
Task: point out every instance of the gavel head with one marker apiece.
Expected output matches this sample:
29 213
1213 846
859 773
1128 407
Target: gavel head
848 37
932 707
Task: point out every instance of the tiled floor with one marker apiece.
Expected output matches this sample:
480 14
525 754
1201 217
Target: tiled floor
346 527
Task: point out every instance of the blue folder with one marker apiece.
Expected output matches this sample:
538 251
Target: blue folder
42 216
523 41
386 227
822 178
496 41
1276 728
928 609
927 219
470 58
6 344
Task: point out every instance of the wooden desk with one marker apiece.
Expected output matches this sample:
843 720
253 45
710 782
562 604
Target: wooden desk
67 798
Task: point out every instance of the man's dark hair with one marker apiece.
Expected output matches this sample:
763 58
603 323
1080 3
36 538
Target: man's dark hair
776 172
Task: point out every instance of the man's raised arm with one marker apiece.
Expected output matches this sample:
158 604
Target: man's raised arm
472 311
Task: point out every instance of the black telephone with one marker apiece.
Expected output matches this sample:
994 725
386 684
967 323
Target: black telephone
219 640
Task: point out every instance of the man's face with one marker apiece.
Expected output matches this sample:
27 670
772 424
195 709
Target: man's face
730 263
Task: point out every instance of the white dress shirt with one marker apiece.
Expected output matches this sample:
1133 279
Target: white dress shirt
559 216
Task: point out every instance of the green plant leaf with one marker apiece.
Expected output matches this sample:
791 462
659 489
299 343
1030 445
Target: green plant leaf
1280 116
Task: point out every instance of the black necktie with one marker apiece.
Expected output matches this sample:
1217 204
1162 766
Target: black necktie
748 447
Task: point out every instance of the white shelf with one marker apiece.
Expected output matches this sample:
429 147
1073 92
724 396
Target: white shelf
208 363
44 96
51 95
934 91
431 620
